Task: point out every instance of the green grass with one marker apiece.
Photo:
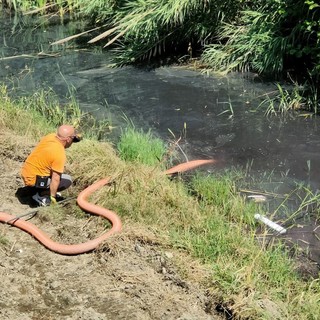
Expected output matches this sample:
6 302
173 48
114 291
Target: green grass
138 146
42 113
3 240
221 232
283 101
41 6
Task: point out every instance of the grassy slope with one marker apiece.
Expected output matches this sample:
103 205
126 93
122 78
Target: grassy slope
251 281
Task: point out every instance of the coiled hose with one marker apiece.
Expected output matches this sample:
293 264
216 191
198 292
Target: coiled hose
74 249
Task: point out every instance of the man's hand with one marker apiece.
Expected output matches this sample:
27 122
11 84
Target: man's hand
53 200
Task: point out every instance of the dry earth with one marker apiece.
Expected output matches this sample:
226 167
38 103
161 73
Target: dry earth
132 275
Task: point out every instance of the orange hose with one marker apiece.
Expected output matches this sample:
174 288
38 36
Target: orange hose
182 167
73 249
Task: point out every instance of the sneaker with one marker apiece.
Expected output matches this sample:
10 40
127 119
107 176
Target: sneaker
59 197
42 201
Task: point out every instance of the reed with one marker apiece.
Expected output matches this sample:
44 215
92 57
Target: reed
144 30
248 46
283 101
40 6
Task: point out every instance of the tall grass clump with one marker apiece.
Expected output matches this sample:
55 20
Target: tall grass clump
144 30
41 6
250 46
224 215
92 160
17 117
283 101
98 10
213 190
45 109
138 146
301 97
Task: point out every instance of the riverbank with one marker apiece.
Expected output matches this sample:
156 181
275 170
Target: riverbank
194 254
125 278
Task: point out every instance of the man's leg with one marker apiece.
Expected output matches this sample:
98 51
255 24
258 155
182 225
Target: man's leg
65 182
24 194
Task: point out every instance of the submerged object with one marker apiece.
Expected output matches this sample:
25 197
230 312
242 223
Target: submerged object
270 223
257 198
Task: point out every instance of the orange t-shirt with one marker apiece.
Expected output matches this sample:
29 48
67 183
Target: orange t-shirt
49 155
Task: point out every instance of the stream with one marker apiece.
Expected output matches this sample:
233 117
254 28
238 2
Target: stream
215 116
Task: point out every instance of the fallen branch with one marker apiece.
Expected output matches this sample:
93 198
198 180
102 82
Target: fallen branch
39 9
103 35
75 36
31 56
19 56
275 195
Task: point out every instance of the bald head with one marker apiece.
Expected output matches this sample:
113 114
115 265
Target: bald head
65 131
65 134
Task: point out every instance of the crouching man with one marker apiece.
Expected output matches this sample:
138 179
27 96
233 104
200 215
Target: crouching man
43 169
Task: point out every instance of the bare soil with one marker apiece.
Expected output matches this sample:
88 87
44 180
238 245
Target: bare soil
132 276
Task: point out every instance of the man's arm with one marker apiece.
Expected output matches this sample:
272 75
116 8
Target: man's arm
54 184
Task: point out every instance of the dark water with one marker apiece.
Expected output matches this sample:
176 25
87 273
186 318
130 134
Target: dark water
215 116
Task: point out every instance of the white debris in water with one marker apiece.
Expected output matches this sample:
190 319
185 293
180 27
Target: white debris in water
270 223
257 198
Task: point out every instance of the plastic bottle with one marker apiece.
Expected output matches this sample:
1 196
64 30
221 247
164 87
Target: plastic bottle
270 223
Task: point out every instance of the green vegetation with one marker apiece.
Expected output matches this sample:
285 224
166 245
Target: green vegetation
204 217
144 30
3 240
137 146
283 101
44 108
40 6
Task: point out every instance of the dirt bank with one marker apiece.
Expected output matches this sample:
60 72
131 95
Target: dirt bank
132 276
